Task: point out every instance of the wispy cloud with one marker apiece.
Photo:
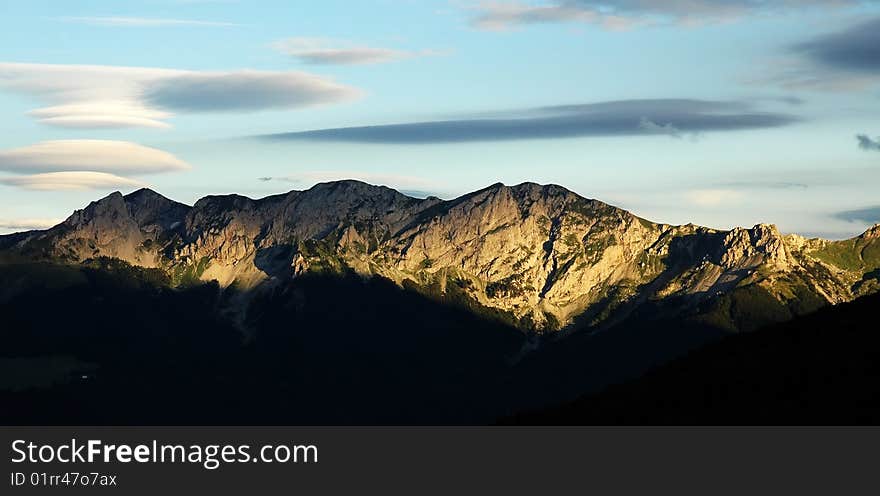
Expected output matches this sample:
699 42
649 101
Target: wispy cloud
501 16
322 51
626 14
713 197
94 96
28 224
866 143
142 22
769 184
617 118
120 157
66 181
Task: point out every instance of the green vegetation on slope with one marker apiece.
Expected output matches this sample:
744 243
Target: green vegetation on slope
858 254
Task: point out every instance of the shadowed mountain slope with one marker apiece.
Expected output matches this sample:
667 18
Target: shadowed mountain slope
818 369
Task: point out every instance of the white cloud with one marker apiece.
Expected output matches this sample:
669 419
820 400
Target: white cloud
712 197
106 114
94 96
340 52
74 180
120 157
150 22
28 224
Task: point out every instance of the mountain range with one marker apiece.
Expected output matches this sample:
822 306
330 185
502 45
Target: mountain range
508 297
542 256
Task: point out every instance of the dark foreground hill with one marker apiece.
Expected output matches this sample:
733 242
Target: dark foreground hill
819 369
109 343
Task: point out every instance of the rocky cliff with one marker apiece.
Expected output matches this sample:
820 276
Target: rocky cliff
541 255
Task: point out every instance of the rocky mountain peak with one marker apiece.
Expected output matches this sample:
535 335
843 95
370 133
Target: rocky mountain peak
153 211
108 210
743 248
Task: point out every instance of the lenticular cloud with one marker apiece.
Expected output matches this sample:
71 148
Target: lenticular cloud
115 157
78 180
93 96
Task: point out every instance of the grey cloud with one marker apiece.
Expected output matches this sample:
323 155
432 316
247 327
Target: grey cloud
866 143
847 60
652 127
870 215
244 91
617 118
856 48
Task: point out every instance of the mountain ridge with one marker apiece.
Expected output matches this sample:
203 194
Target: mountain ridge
544 256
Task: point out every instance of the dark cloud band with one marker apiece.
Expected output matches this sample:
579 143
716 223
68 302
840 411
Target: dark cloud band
866 143
619 118
870 215
854 49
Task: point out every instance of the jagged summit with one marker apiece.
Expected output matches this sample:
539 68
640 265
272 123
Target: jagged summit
142 193
541 254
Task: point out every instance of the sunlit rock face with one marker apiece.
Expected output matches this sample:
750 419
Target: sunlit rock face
541 254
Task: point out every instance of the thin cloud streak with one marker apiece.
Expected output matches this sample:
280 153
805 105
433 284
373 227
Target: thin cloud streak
142 22
29 224
320 51
628 14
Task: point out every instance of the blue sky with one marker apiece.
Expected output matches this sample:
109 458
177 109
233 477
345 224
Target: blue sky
721 113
